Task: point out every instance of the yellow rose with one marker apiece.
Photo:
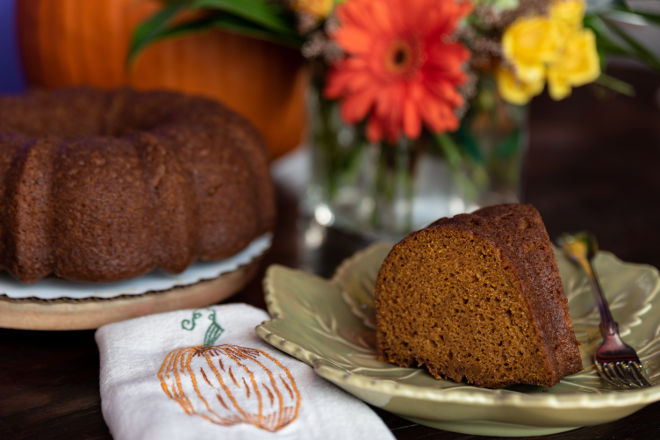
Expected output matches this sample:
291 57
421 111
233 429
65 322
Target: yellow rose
513 89
568 12
529 44
316 8
578 65
555 48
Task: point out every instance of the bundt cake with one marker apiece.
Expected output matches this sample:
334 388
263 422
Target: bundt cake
477 298
107 185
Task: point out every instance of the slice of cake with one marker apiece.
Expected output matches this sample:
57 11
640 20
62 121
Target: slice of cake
477 298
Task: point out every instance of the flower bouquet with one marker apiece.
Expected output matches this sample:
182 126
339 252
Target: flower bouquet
417 107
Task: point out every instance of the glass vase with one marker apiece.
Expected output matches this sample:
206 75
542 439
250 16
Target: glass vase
384 191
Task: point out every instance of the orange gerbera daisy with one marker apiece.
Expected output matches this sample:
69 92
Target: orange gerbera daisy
402 68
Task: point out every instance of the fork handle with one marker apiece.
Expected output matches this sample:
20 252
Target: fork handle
607 324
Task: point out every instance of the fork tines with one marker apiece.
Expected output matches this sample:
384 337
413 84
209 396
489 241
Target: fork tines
623 374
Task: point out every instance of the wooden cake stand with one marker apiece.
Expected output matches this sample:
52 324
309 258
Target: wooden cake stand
91 313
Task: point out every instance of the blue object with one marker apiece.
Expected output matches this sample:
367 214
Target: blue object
11 78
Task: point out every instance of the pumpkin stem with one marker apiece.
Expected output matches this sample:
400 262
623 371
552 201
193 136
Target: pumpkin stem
213 332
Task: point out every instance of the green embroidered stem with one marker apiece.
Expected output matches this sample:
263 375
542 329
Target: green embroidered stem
189 324
213 332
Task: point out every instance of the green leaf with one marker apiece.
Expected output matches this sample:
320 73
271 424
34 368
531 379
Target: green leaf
187 27
232 24
598 6
270 15
508 146
239 17
649 17
450 149
637 48
605 44
247 28
468 144
633 15
468 184
154 28
615 84
603 41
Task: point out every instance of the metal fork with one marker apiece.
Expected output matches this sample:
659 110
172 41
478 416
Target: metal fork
616 361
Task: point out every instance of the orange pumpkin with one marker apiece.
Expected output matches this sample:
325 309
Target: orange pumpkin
82 42
229 384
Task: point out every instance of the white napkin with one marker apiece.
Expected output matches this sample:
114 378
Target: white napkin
159 382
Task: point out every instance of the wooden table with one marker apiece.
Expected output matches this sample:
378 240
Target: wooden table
592 164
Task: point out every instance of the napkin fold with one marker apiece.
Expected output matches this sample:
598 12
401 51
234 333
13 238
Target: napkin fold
204 373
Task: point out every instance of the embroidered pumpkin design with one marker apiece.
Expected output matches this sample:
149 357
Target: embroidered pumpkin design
229 384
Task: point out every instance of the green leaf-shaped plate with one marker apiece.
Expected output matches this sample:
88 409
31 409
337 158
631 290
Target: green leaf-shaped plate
329 325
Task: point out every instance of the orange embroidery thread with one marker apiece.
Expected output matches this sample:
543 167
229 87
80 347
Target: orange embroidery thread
216 394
